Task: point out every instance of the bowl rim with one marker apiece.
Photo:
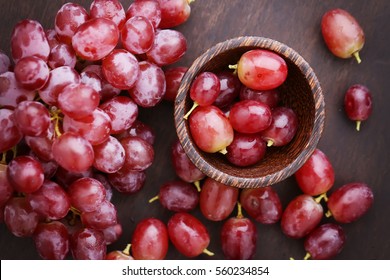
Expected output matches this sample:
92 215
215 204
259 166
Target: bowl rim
260 43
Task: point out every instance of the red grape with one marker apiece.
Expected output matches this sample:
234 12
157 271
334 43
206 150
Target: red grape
88 244
230 87
86 194
342 33
91 79
139 129
78 100
205 88
104 216
149 88
50 201
358 104
110 9
301 216
112 233
29 39
120 255
250 116
283 127
95 39
149 9
261 69
10 135
62 55
68 19
32 118
42 145
19 218
316 176
73 152
269 97
210 129
174 12
51 240
246 149
109 156
178 196
139 154
137 35
173 77
325 242
12 92
189 236
25 174
150 240
127 181
168 47
262 204
31 72
350 202
120 68
217 200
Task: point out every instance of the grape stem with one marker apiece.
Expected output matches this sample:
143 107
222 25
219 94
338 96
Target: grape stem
56 117
239 211
4 158
307 256
235 67
153 199
357 57
328 214
270 143
320 197
190 111
197 185
223 151
126 251
208 253
358 123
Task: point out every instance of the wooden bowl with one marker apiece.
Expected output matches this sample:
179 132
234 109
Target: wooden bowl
301 92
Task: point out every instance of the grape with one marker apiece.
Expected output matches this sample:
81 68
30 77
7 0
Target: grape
205 88
88 244
350 202
19 218
188 235
118 255
168 47
50 201
103 217
261 69
210 129
68 19
250 116
31 72
95 39
358 103
29 39
42 145
301 216
51 240
121 69
25 174
62 55
262 204
52 37
11 92
325 242
137 35
139 154
183 166
217 200
109 156
149 9
173 77
246 149
283 127
78 100
112 233
127 181
58 79
5 63
230 89
6 189
174 12
149 89
110 9
49 167
32 118
91 79
178 196
150 240
86 194
102 178
342 34
139 129
269 97
10 135
316 176
73 152
95 129
238 238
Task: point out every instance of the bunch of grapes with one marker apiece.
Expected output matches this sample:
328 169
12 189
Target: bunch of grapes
69 130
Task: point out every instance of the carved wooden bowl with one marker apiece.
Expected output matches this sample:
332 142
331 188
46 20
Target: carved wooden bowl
301 92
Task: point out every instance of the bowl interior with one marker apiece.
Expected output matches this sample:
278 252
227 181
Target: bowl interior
301 92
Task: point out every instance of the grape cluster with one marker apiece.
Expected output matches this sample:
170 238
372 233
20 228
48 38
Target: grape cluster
69 113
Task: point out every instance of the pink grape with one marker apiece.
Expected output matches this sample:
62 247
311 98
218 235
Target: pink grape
109 156
12 93
127 181
112 10
88 244
10 135
137 35
31 72
103 217
139 154
174 12
62 55
149 9
173 77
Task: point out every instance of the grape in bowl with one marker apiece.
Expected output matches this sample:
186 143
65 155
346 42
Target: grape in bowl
301 91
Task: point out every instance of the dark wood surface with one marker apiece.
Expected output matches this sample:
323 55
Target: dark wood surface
356 156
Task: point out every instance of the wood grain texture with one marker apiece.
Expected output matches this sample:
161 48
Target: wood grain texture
356 156
301 91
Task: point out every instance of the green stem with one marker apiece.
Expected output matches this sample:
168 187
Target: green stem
328 214
126 251
358 123
197 185
223 151
239 211
153 199
270 143
357 57
320 197
307 256
190 111
207 252
235 67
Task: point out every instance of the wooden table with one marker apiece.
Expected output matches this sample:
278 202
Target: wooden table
356 156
